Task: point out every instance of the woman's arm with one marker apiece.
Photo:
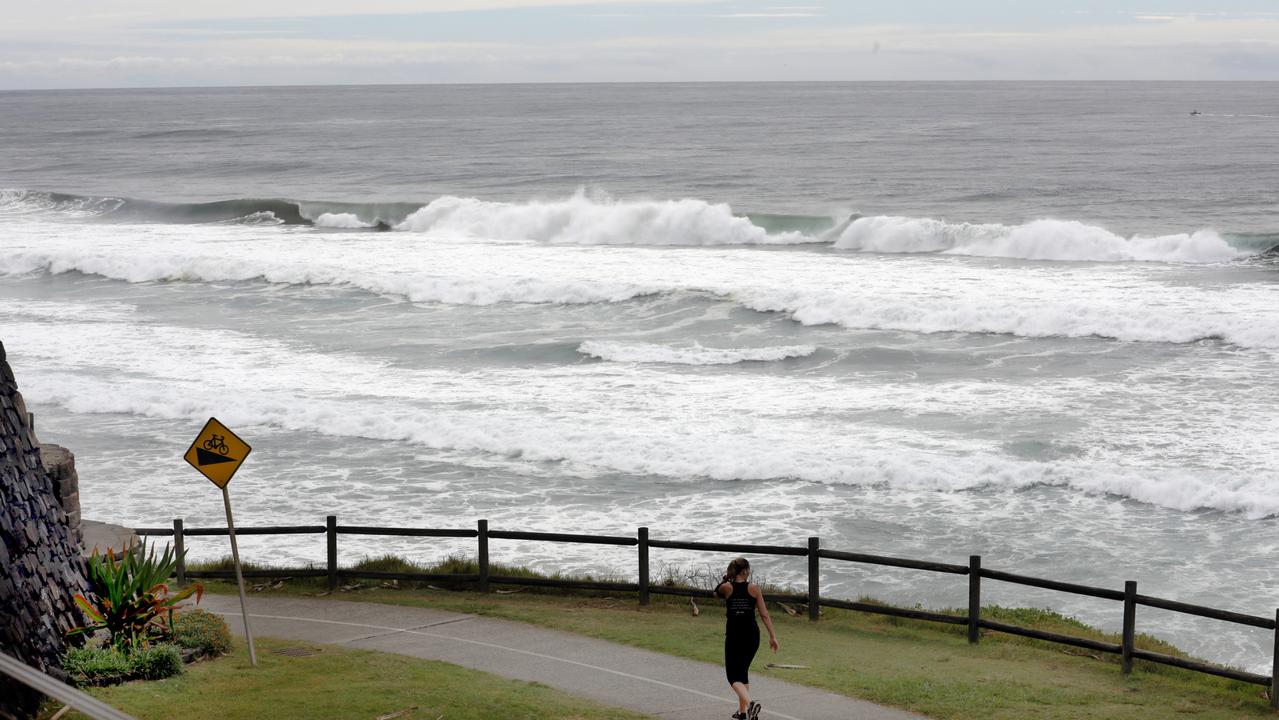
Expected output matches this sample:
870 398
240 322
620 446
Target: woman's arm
719 590
763 613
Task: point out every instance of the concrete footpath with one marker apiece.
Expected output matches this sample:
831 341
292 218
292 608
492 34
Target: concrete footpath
618 675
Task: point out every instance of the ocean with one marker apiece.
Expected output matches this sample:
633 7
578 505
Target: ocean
1035 322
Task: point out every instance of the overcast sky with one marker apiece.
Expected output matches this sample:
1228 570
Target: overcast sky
117 43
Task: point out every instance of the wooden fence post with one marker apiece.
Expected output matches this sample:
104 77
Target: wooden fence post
974 598
643 566
483 526
814 580
1130 624
179 550
1274 668
331 530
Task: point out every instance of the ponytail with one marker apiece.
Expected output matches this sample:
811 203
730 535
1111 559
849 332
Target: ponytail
735 568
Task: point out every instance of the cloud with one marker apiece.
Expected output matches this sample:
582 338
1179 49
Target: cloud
49 15
769 15
666 42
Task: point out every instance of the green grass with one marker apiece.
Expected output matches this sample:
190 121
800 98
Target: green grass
452 565
342 684
668 575
924 667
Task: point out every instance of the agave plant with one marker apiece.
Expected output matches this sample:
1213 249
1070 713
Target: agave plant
130 597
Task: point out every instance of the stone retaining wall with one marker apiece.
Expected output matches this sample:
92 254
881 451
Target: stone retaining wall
60 464
40 562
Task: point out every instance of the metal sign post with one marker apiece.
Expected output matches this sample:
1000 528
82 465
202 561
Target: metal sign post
239 576
217 453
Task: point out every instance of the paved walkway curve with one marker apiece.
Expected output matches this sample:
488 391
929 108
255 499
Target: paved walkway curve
619 675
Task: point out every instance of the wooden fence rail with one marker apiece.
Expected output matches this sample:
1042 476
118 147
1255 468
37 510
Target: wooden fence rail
58 690
813 599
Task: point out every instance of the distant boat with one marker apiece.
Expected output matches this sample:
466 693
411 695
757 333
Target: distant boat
1195 112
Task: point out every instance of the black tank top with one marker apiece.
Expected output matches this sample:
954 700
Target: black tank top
740 605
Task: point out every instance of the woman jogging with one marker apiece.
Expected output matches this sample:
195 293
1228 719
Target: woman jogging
741 635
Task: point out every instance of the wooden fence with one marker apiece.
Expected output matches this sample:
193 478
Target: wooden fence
815 554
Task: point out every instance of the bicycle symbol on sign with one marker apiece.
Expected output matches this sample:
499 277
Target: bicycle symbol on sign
217 444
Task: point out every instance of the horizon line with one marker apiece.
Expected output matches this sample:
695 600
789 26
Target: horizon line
1055 81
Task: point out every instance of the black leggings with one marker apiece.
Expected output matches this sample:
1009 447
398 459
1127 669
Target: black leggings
740 646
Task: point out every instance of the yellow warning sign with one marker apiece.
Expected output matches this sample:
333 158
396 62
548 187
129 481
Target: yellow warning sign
217 452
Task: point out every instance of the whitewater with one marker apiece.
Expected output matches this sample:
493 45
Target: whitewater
1029 299
893 325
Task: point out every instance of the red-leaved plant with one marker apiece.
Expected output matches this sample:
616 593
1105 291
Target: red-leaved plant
130 597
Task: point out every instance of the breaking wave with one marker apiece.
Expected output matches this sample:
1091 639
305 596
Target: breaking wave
264 217
809 288
584 219
1046 318
1038 240
348 221
19 203
116 209
691 355
119 209
421 288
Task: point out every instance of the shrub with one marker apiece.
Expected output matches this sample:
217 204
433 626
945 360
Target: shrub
96 665
156 662
130 599
109 665
203 631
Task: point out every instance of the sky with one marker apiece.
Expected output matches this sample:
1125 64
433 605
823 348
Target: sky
150 43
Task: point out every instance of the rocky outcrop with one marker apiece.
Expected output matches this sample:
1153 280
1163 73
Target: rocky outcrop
40 562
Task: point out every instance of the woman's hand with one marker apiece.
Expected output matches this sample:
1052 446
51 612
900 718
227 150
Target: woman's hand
772 642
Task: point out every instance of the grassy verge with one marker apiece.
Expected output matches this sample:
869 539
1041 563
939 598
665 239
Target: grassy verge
924 667
342 684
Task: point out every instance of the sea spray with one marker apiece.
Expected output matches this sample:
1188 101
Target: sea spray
1038 240
341 221
584 220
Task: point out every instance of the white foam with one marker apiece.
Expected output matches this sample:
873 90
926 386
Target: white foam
684 429
1144 302
684 426
348 221
689 355
1038 240
1049 315
584 220
230 253
262 217
62 311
